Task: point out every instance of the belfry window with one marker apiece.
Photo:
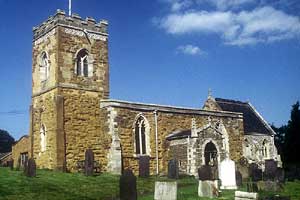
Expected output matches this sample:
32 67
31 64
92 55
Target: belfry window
82 64
44 66
43 138
140 131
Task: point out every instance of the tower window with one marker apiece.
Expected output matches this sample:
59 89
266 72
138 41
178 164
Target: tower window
141 136
82 63
43 138
44 66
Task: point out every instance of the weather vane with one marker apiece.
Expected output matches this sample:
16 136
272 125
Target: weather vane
70 7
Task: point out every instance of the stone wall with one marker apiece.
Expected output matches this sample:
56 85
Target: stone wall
169 121
21 146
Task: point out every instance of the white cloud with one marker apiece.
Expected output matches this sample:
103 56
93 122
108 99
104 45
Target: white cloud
190 50
264 24
226 4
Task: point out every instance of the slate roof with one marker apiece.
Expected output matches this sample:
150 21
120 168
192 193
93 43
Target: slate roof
253 122
3 155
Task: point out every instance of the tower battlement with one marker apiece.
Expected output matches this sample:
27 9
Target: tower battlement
74 22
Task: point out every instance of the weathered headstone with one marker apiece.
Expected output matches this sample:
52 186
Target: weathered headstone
207 172
243 167
269 186
30 168
270 170
227 174
128 185
173 171
239 178
144 166
208 189
254 172
239 195
165 191
89 163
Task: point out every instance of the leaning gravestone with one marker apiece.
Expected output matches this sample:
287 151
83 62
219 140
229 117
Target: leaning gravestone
144 166
206 172
254 172
30 168
270 170
239 195
227 174
89 163
173 171
165 191
128 186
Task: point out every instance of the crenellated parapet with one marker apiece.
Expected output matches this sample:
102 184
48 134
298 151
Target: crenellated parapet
74 25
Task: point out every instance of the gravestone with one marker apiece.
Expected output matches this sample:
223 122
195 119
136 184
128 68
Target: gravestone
252 186
227 174
269 186
208 189
89 163
173 171
18 164
30 168
239 178
207 172
239 195
254 172
270 170
280 177
165 191
277 197
127 185
243 167
144 166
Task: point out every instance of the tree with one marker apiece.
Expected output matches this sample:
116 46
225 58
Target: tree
6 141
292 137
279 138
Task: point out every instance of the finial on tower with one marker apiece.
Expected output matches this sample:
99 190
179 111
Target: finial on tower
70 7
209 92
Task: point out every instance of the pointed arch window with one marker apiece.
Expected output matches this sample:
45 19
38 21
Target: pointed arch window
265 149
141 136
43 138
82 63
44 66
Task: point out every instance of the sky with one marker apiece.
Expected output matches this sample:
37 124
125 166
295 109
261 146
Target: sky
169 52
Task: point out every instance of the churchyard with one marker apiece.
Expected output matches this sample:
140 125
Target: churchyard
57 185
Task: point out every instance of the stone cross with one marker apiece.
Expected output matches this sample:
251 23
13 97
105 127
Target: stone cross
127 186
89 163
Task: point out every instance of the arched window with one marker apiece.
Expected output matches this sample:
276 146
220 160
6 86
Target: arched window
44 66
265 151
43 138
141 136
82 63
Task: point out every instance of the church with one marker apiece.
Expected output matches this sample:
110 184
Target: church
71 112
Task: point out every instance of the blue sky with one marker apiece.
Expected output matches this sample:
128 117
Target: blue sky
169 52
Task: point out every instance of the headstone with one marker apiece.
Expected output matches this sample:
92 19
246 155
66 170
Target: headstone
208 189
11 164
127 185
18 164
270 170
30 168
254 172
243 167
165 191
144 166
269 186
280 177
207 172
89 163
239 178
173 171
227 174
239 195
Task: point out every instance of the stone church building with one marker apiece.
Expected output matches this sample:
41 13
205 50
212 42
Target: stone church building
71 112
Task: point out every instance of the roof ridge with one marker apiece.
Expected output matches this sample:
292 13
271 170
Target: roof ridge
230 101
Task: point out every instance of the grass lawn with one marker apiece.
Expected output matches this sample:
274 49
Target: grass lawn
66 186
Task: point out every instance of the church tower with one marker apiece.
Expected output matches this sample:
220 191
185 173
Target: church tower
70 75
